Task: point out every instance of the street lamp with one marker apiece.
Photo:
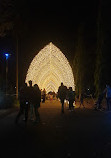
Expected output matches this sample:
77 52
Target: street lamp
17 70
6 56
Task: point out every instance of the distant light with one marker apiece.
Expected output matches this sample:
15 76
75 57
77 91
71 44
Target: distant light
88 89
65 101
6 55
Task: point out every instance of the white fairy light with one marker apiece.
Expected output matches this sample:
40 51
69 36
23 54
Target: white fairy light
49 68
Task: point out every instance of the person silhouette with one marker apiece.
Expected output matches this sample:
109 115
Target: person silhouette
30 97
36 102
62 91
71 98
24 104
82 100
108 96
43 95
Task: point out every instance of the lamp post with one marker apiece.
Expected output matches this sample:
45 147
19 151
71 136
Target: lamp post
17 70
6 56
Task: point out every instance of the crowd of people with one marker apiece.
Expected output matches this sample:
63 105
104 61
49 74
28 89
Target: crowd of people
69 94
31 96
66 94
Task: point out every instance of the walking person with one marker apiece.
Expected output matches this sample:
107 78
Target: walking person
62 91
82 100
108 96
43 95
99 101
36 102
71 98
23 98
30 98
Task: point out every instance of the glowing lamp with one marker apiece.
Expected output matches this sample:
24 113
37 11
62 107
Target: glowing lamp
6 55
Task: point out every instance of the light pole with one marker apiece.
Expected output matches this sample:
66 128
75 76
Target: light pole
17 70
6 56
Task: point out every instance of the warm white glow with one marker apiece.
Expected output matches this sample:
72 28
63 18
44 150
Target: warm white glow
49 68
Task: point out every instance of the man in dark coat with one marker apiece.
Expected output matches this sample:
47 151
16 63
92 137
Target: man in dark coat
43 95
36 102
108 96
62 91
82 100
23 98
30 98
71 98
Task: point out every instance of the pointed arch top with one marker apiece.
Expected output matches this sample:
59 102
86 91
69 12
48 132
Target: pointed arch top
49 68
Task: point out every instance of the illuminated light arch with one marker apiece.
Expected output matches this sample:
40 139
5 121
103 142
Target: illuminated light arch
49 68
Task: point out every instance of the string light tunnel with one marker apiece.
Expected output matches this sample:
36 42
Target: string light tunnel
49 68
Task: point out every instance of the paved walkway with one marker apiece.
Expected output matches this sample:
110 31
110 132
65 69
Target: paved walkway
5 112
81 133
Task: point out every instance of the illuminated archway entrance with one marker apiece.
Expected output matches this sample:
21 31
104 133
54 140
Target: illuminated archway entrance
49 68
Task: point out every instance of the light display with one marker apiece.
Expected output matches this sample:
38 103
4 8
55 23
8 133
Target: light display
49 68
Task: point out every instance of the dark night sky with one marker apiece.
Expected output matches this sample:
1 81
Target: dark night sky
55 21
58 21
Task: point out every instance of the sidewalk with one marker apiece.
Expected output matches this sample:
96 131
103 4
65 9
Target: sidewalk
5 112
88 103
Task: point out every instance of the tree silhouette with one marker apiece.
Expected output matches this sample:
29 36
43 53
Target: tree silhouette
6 16
78 63
103 64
